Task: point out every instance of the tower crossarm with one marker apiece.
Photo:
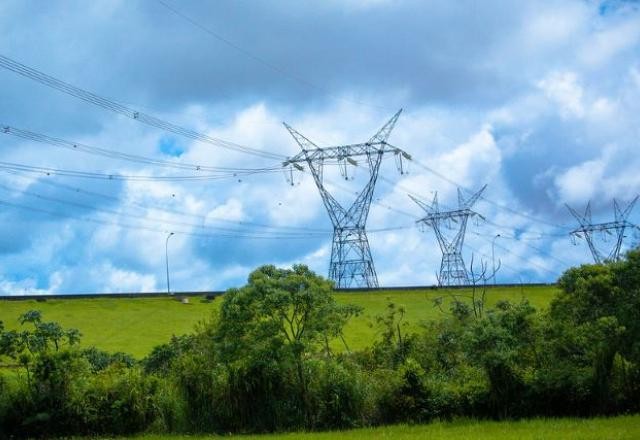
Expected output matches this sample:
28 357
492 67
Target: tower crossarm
377 144
601 227
449 215
342 152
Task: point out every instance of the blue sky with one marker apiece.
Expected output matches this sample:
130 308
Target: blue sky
538 99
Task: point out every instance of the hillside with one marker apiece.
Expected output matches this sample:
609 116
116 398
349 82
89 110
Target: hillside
136 325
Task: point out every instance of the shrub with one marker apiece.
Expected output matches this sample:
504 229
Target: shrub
338 395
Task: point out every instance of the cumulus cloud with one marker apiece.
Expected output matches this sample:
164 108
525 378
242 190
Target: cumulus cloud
563 89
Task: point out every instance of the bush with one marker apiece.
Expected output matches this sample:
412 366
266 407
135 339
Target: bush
339 395
65 396
99 360
160 359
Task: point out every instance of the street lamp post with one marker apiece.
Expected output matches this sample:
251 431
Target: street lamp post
493 257
166 254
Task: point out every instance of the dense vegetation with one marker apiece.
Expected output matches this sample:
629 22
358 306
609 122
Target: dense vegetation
266 362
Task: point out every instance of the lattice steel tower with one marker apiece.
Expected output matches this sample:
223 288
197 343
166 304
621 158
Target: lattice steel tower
351 262
615 229
452 269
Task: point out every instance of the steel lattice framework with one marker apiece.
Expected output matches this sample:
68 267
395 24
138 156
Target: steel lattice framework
452 268
616 228
351 262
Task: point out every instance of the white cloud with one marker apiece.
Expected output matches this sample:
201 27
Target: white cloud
563 89
25 286
231 210
112 279
611 175
580 183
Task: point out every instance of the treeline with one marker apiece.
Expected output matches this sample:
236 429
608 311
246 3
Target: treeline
268 361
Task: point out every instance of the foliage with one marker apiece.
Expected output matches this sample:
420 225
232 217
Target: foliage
69 391
100 360
42 337
268 362
269 328
161 358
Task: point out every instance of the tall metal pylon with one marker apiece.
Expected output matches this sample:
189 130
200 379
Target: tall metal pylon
453 271
351 262
616 229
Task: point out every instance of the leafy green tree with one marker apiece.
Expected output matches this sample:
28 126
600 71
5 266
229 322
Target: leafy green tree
280 318
24 346
601 303
45 335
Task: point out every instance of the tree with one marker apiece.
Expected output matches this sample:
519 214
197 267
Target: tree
602 303
280 318
24 345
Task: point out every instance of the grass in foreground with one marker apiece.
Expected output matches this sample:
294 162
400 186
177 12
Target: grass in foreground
616 428
136 325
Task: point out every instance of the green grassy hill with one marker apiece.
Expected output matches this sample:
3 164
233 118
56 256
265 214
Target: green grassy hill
135 325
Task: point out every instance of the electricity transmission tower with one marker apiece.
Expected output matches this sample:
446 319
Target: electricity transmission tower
616 229
452 269
351 262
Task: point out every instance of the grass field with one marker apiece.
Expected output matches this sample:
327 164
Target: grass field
616 428
136 325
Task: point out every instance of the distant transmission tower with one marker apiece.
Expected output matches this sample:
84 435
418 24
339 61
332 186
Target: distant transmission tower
351 263
452 269
615 229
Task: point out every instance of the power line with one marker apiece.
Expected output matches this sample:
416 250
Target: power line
145 218
100 101
113 154
491 202
115 176
92 98
526 260
148 229
515 230
269 229
172 211
537 249
515 270
476 251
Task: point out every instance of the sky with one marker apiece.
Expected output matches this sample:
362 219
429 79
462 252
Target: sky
539 100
